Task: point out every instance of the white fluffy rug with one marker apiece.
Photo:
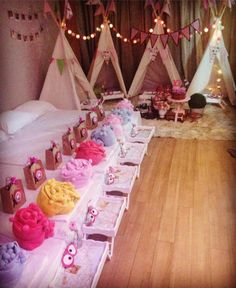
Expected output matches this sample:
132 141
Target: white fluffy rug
216 123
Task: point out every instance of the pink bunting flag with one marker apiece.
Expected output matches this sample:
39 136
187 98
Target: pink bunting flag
100 10
68 11
143 37
207 3
196 25
112 7
175 37
153 39
93 2
164 39
46 8
186 32
157 7
148 3
134 32
166 9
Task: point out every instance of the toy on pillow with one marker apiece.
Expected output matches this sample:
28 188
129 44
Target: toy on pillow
125 104
57 197
115 122
90 150
91 215
11 264
31 227
104 136
77 171
124 114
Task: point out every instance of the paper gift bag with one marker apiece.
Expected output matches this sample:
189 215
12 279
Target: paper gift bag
34 173
12 195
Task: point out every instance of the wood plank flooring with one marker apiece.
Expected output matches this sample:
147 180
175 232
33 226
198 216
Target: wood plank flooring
180 229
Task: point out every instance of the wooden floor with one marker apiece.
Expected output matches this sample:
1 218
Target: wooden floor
180 230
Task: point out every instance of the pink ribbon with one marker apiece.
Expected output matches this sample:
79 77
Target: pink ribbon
10 181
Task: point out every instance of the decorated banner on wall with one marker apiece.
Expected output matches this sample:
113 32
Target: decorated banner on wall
175 35
25 37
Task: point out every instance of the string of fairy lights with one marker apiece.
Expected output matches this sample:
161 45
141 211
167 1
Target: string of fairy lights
125 39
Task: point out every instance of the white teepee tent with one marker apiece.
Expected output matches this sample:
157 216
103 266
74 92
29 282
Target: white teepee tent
156 66
213 72
65 84
105 69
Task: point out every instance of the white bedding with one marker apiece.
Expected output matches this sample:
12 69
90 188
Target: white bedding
33 139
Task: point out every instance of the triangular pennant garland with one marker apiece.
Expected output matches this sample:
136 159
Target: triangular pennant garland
92 2
148 3
100 10
164 39
166 9
134 32
112 7
153 39
175 37
186 32
158 7
60 65
46 8
196 25
68 11
143 37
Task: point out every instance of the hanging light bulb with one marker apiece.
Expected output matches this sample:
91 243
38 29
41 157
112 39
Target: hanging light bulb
125 39
77 36
206 29
214 26
162 22
98 29
69 32
168 30
218 80
73 34
110 25
88 37
118 35
92 35
150 30
84 37
134 41
219 71
102 26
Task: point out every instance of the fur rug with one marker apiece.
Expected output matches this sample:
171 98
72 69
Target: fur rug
216 123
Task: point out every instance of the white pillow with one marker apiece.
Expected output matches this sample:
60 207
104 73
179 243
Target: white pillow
36 106
12 121
3 136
